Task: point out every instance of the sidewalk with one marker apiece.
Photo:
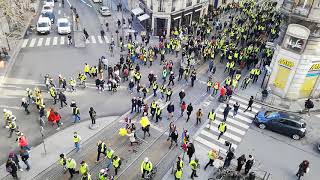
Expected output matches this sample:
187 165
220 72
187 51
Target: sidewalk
60 142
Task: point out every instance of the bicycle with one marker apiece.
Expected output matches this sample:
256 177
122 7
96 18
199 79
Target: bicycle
151 174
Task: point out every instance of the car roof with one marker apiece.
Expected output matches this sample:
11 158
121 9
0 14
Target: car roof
63 20
289 116
104 7
43 19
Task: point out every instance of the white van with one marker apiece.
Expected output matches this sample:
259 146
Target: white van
43 25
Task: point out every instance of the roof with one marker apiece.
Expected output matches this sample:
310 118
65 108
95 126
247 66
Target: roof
137 11
143 17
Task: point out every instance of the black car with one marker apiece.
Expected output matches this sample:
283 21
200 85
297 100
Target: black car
282 122
50 15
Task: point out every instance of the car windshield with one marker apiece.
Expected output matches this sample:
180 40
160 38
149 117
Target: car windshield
63 24
46 7
47 15
49 0
267 113
42 24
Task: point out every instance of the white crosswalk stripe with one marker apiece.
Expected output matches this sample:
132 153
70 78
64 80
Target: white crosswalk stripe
62 40
55 41
25 42
236 126
59 40
318 115
40 42
47 41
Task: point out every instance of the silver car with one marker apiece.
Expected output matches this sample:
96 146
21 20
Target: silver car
104 11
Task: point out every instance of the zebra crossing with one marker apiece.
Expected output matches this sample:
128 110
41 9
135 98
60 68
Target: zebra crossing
60 40
236 126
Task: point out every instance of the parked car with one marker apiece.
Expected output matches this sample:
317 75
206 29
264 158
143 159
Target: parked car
46 8
63 26
97 1
43 25
104 11
282 122
50 15
49 3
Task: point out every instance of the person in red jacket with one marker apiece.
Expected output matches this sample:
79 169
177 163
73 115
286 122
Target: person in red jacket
55 118
22 141
183 107
223 91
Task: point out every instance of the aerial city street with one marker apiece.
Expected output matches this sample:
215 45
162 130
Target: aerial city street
163 90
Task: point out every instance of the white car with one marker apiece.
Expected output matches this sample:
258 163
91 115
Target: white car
49 3
63 26
104 11
43 25
46 8
97 1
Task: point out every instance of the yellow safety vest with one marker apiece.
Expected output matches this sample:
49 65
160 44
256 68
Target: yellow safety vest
222 127
228 81
212 155
169 92
216 85
146 166
76 139
209 83
116 162
110 153
257 72
86 68
234 82
193 164
238 76
252 71
158 111
212 115
153 105
178 174
71 164
83 168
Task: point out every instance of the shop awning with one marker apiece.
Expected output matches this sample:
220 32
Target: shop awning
137 11
143 17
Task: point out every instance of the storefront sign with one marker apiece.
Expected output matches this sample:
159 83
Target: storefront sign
286 63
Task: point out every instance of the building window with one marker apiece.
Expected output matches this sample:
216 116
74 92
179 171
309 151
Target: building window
173 7
161 6
189 3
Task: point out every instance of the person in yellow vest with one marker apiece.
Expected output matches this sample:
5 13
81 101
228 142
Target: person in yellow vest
86 176
86 69
72 83
116 162
94 71
211 117
163 89
212 154
76 141
110 155
155 88
168 93
231 65
256 75
252 72
53 93
222 129
216 87
194 165
209 84
238 75
158 113
63 162
234 83
103 174
71 165
102 148
137 77
83 168
227 67
146 166
153 108
83 79
178 173
12 127
228 81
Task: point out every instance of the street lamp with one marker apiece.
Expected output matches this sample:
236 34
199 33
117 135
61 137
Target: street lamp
42 136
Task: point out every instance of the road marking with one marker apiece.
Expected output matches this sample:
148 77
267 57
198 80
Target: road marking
245 101
25 42
68 3
100 39
33 41
40 42
86 3
318 115
239 116
62 40
106 39
211 145
227 134
55 41
87 41
93 39
59 11
59 4
47 41
230 127
214 137
229 119
249 114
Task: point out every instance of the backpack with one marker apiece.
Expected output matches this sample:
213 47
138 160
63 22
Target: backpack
310 105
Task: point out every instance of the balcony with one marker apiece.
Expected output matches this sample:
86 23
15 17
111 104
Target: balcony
161 9
189 3
173 8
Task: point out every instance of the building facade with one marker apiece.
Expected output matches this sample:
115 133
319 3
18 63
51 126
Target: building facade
164 15
295 67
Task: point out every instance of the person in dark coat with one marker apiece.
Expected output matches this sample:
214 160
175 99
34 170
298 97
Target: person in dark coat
189 111
174 137
13 156
303 168
12 168
93 115
241 161
229 157
62 99
226 112
24 157
249 164
190 150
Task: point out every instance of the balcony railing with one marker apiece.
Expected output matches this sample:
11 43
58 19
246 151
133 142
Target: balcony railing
161 9
189 3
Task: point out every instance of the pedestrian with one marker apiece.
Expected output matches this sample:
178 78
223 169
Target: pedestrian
194 165
69 39
25 104
222 129
249 104
170 109
249 164
15 159
158 113
226 112
189 111
24 154
110 154
153 108
93 115
102 149
22 141
63 162
303 169
146 167
83 169
172 127
76 114
190 150
178 173
12 168
171 78
72 165
131 135
183 108
182 94
168 93
116 162
199 115
211 117
139 104
85 33
12 127
229 157
241 161
133 104
308 105
76 141
63 99
235 109
212 154
193 77
174 138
